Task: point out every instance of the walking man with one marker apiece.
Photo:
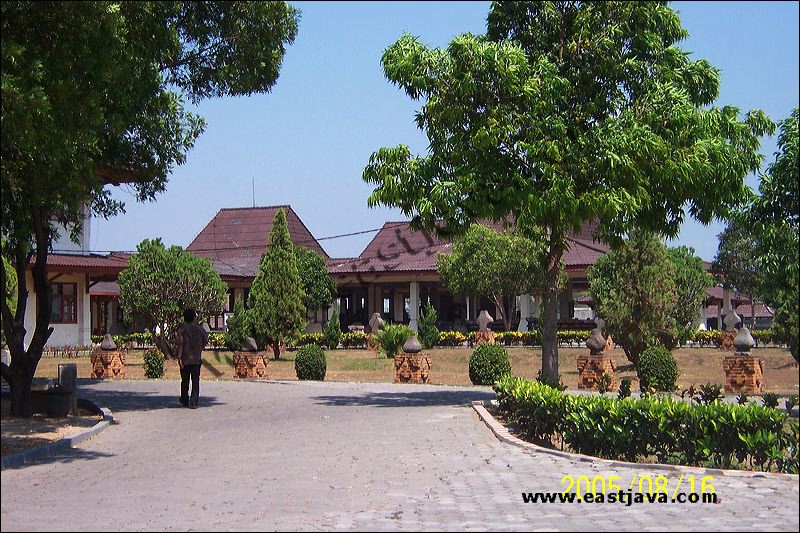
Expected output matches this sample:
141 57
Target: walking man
192 338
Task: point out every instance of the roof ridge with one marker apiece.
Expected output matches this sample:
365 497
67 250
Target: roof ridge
288 206
314 237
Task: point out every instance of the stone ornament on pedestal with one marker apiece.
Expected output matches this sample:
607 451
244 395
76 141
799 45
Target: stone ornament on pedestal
593 365
375 324
108 361
743 372
484 335
730 321
249 363
412 366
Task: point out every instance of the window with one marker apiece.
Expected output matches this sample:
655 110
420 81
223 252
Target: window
63 303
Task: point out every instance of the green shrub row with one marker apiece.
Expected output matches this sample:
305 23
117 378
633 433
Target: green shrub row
718 435
137 340
354 339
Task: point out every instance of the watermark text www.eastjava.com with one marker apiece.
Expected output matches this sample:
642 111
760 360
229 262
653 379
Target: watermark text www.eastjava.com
642 489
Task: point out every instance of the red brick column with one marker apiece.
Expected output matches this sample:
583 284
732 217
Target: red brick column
412 368
484 337
108 364
743 373
592 367
250 365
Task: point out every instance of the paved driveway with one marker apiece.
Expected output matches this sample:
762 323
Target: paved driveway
320 456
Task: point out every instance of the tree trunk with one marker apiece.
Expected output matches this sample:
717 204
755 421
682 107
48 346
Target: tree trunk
550 316
276 349
20 385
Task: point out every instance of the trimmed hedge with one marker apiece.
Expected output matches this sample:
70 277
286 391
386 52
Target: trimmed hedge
658 369
309 363
488 363
354 339
719 435
153 363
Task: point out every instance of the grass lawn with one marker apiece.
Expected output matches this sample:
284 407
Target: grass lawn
450 366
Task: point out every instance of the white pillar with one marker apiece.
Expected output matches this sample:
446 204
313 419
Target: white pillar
537 306
720 327
413 312
467 300
703 315
85 316
524 311
398 306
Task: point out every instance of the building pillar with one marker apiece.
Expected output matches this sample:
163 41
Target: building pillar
524 311
85 316
537 306
703 317
467 298
399 304
414 311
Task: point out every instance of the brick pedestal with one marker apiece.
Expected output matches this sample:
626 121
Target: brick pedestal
726 344
743 373
412 368
108 364
592 367
250 365
484 337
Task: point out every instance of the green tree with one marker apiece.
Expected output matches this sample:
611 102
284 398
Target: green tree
237 327
318 286
775 220
566 112
160 283
9 294
277 311
94 94
736 262
498 265
691 281
332 333
633 289
428 332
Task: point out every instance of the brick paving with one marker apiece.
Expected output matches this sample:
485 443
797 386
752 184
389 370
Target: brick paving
334 456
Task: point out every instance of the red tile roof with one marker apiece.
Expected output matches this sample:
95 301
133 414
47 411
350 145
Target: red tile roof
716 294
112 263
397 248
104 288
236 238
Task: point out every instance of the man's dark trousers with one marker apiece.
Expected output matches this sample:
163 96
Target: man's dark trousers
194 372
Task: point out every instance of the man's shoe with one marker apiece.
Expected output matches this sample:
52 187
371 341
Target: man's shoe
184 403
192 405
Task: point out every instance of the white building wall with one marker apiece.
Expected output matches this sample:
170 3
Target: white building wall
63 334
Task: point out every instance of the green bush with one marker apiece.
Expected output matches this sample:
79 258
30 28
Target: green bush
309 363
153 363
392 338
332 333
720 434
428 332
308 338
488 363
657 369
237 329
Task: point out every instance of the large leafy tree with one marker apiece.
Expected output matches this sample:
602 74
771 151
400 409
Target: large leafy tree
736 262
566 112
775 220
633 288
498 265
277 310
93 94
159 283
691 281
319 287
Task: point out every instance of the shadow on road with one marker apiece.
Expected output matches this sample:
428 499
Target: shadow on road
120 401
66 455
456 398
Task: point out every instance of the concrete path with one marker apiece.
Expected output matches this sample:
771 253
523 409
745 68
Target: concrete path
334 456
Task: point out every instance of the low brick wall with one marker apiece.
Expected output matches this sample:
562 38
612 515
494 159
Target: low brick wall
743 373
108 364
251 365
412 368
592 367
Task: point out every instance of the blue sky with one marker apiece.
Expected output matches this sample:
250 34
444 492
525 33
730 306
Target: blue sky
307 142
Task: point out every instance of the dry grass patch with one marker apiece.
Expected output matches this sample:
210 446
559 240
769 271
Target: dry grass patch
450 366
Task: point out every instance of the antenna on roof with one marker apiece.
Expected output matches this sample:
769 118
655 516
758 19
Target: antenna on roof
254 191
